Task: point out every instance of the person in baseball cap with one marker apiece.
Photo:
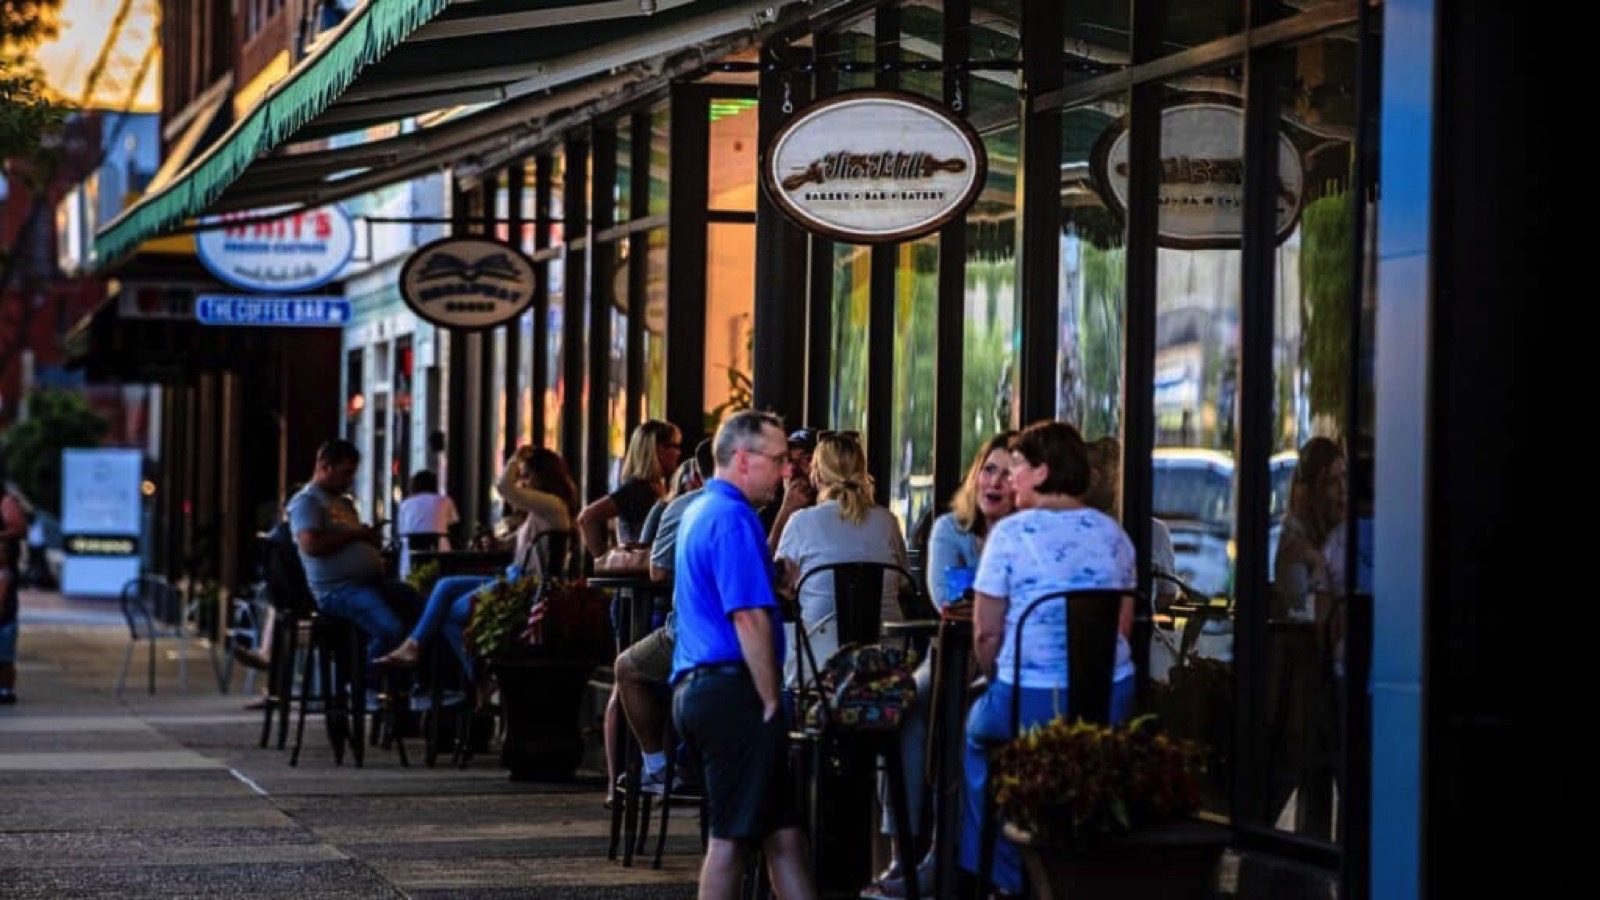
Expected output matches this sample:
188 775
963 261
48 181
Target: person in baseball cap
798 491
803 439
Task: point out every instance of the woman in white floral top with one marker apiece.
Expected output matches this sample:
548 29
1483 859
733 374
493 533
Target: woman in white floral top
1054 542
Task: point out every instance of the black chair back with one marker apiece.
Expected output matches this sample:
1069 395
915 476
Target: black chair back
858 597
421 542
556 549
286 578
1092 619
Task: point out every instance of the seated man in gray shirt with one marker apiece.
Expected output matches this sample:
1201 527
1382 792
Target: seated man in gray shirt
343 566
642 670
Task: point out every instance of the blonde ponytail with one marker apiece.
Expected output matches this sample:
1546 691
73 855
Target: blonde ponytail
840 469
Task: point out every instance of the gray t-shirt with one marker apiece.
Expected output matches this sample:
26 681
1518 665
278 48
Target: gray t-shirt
665 542
314 509
821 535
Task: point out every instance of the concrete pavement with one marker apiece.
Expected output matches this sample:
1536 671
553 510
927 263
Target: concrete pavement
169 796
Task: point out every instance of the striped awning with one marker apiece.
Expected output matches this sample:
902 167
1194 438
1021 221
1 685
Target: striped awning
500 70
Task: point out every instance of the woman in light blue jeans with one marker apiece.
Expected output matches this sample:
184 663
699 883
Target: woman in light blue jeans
1053 543
536 481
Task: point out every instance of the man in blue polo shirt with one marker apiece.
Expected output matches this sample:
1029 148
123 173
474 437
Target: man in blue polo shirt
726 701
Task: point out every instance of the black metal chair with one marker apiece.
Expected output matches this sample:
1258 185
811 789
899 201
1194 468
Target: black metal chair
154 611
293 605
1093 615
858 590
338 649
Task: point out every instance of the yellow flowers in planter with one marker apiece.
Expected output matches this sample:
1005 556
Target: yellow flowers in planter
530 618
1069 781
423 577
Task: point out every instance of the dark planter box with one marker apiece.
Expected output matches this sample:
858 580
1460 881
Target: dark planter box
541 699
1171 862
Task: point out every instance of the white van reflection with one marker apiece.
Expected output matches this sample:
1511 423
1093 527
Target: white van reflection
1192 492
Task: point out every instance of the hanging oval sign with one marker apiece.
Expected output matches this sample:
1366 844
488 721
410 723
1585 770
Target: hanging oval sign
1202 175
874 167
467 283
297 252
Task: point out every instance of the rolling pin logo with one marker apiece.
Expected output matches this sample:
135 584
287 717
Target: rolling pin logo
888 165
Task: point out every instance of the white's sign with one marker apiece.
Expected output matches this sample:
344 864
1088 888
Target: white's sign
468 283
874 166
298 252
1202 175
102 519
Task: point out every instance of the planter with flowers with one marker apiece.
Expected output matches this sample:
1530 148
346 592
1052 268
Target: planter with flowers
540 641
1105 812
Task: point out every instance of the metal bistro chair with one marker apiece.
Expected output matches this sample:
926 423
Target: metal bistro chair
154 611
858 618
1092 616
293 605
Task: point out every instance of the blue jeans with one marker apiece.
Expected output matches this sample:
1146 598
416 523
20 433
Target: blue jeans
449 607
990 721
366 607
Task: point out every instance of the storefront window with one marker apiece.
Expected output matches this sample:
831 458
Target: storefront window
403 384
355 401
622 194
554 274
1093 298
655 325
733 154
852 296
995 35
922 40
989 373
660 157
617 359
916 325
730 292
1195 400
1316 295
525 378
494 344
1096 39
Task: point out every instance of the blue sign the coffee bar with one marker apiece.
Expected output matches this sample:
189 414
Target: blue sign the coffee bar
266 312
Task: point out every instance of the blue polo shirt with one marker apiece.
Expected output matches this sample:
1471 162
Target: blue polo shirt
721 566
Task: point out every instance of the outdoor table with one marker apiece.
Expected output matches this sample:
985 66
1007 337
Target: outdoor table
464 562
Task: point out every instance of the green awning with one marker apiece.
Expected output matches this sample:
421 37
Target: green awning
366 36
510 69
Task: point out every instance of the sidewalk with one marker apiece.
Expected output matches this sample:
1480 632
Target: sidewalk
169 796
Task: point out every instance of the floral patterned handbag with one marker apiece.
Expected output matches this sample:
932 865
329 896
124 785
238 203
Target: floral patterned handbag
864 687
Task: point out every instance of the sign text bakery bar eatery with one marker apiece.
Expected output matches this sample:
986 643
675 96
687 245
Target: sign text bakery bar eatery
874 166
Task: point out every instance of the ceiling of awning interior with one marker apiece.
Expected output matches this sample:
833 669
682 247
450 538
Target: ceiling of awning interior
517 80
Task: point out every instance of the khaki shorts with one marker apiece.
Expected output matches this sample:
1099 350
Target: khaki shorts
651 657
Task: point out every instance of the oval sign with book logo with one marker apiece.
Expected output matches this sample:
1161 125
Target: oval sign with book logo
874 167
467 283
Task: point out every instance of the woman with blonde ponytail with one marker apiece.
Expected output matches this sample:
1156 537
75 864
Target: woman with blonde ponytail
845 526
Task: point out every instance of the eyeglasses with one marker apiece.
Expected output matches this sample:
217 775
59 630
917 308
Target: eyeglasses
778 458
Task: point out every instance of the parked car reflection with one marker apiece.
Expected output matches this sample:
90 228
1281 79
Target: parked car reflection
1192 492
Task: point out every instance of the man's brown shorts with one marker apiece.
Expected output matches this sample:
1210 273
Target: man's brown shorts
651 657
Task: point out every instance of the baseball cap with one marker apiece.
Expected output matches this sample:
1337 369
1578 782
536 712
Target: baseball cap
803 438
